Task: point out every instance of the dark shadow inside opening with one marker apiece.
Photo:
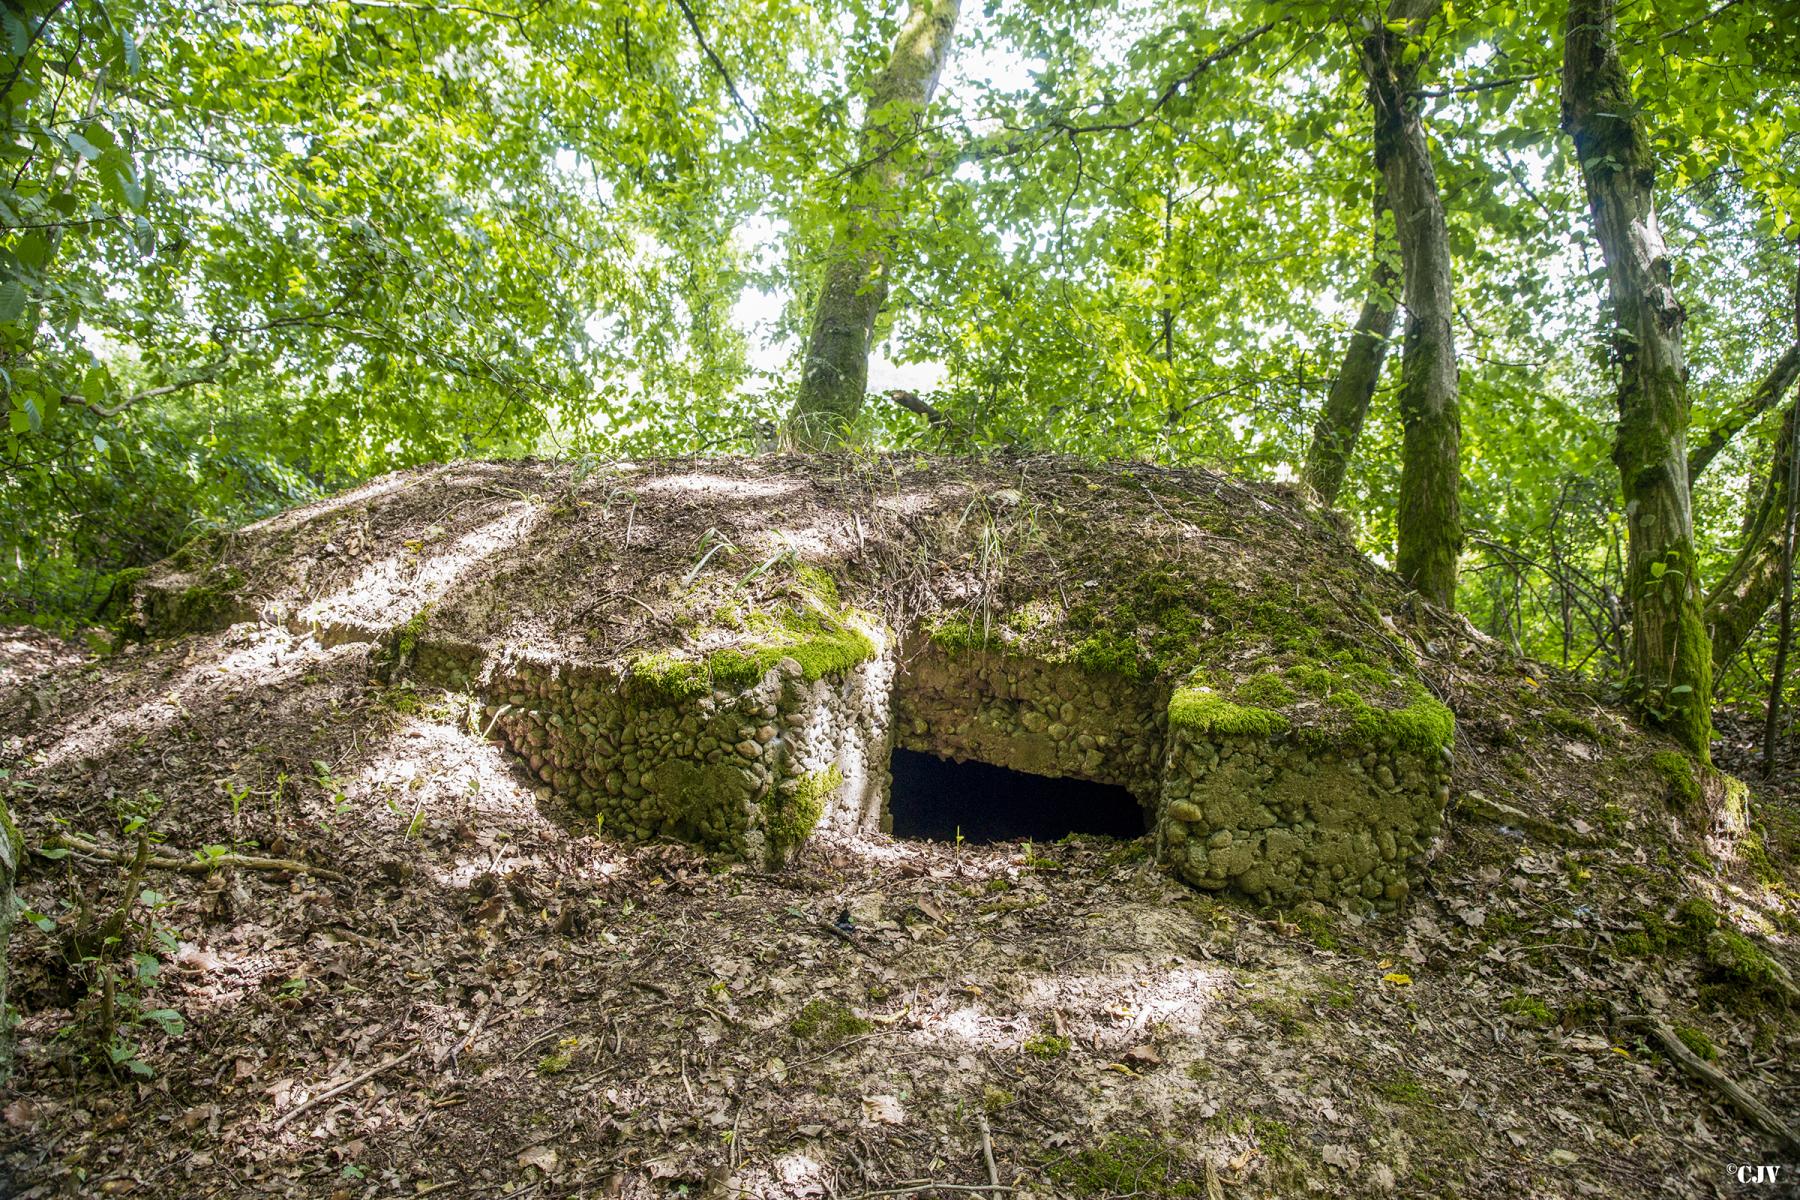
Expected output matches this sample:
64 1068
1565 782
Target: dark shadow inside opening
935 798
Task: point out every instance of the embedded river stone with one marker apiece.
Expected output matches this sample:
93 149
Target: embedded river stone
727 652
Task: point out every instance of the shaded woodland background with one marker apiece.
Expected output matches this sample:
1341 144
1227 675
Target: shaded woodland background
256 251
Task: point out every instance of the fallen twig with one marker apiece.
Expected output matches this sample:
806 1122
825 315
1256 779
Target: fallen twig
828 1053
987 1151
341 1088
196 866
1754 1110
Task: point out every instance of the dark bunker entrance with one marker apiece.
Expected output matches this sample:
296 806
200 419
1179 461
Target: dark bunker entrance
939 799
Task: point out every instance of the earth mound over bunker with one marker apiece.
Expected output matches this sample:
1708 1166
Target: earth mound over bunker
727 652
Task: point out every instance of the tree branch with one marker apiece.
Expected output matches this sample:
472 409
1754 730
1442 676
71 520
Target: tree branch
1174 89
1485 86
913 402
1766 395
718 66
1752 1109
205 375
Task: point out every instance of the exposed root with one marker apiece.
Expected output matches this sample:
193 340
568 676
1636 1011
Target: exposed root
195 866
1753 1110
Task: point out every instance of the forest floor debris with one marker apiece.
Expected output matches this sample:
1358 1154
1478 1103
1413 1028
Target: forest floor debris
497 1002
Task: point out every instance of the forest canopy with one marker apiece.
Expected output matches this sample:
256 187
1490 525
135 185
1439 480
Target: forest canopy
253 250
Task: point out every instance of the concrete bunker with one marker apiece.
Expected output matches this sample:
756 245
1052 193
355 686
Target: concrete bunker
1205 648
945 799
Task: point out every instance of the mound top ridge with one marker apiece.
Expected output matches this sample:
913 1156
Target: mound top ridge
728 651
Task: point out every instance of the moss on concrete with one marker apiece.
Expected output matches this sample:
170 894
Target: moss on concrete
705 802
1203 711
792 811
1268 690
822 644
1423 725
957 633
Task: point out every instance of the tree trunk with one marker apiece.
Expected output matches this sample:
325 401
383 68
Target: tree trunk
1785 630
835 373
1740 599
1765 395
1340 423
1671 656
1430 514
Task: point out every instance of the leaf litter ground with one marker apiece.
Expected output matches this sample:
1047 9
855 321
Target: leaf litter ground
494 1000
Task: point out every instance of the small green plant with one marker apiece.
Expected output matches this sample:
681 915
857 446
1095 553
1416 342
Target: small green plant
560 1059
1046 1045
112 956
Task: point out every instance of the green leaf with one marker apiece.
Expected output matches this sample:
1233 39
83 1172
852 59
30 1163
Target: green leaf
12 300
167 1019
80 145
18 37
128 183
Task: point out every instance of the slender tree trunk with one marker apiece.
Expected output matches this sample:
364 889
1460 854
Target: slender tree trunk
1347 405
1765 395
1671 656
835 373
1739 600
1430 512
1753 582
1784 634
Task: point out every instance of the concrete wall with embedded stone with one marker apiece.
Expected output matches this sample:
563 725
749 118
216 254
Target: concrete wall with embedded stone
752 770
1281 821
1044 718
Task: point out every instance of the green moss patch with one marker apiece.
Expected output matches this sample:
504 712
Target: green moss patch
1128 1164
823 644
1677 770
1698 1042
1423 724
791 812
1203 711
827 1022
958 633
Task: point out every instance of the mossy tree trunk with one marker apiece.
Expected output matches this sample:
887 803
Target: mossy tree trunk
1347 405
835 373
1671 656
1429 516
